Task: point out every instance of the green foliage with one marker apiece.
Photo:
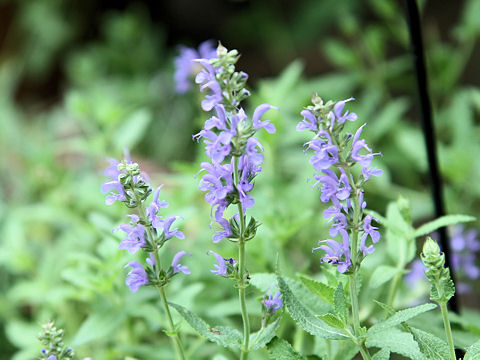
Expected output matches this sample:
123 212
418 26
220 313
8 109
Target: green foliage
280 349
383 354
259 339
340 303
397 342
432 347
222 335
323 291
446 220
399 317
473 352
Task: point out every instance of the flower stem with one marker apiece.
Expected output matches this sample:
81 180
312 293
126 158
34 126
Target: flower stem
172 333
448 330
242 272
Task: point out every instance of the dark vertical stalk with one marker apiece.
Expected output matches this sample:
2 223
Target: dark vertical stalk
416 42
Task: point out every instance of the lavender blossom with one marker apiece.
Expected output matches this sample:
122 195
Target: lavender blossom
136 276
273 303
334 156
221 267
135 237
185 66
176 263
113 186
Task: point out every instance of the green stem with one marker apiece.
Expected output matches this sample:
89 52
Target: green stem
241 270
393 289
173 333
448 330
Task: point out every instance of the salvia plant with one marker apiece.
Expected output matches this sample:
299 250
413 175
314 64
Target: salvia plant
326 307
147 230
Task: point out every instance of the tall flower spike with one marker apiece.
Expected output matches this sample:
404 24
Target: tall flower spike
334 154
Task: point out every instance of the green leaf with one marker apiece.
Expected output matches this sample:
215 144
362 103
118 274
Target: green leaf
399 317
279 349
332 320
98 325
222 335
396 341
319 289
259 339
473 352
130 132
431 346
389 309
441 222
346 350
383 354
340 304
304 317
383 274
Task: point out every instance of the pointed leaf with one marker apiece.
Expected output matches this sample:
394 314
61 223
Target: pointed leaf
340 304
221 335
431 346
383 354
319 289
473 352
279 349
259 339
389 309
400 317
332 320
304 317
396 341
441 222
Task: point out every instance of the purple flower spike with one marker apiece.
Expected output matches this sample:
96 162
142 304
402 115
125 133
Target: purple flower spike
221 267
52 357
257 115
136 277
155 207
338 108
176 263
309 121
369 230
273 303
336 253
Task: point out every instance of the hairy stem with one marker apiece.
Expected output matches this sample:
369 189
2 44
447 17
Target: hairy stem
242 272
448 330
173 333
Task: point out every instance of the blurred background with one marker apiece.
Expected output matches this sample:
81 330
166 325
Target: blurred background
82 80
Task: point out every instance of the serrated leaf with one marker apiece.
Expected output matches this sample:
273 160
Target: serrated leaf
222 335
383 274
441 222
332 320
431 346
304 317
339 302
473 352
259 339
383 354
396 341
389 309
399 317
279 349
319 289
346 350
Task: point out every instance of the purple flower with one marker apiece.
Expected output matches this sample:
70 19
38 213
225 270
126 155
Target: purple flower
52 357
176 263
135 236
257 115
417 272
336 253
221 267
465 245
206 78
325 156
155 207
309 122
113 186
364 160
136 276
338 108
175 232
185 66
369 230
222 234
273 303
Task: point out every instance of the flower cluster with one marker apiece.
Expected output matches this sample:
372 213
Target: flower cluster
52 339
273 302
235 153
335 154
146 230
186 67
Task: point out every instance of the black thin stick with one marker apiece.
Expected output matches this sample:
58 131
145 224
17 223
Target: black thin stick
415 31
